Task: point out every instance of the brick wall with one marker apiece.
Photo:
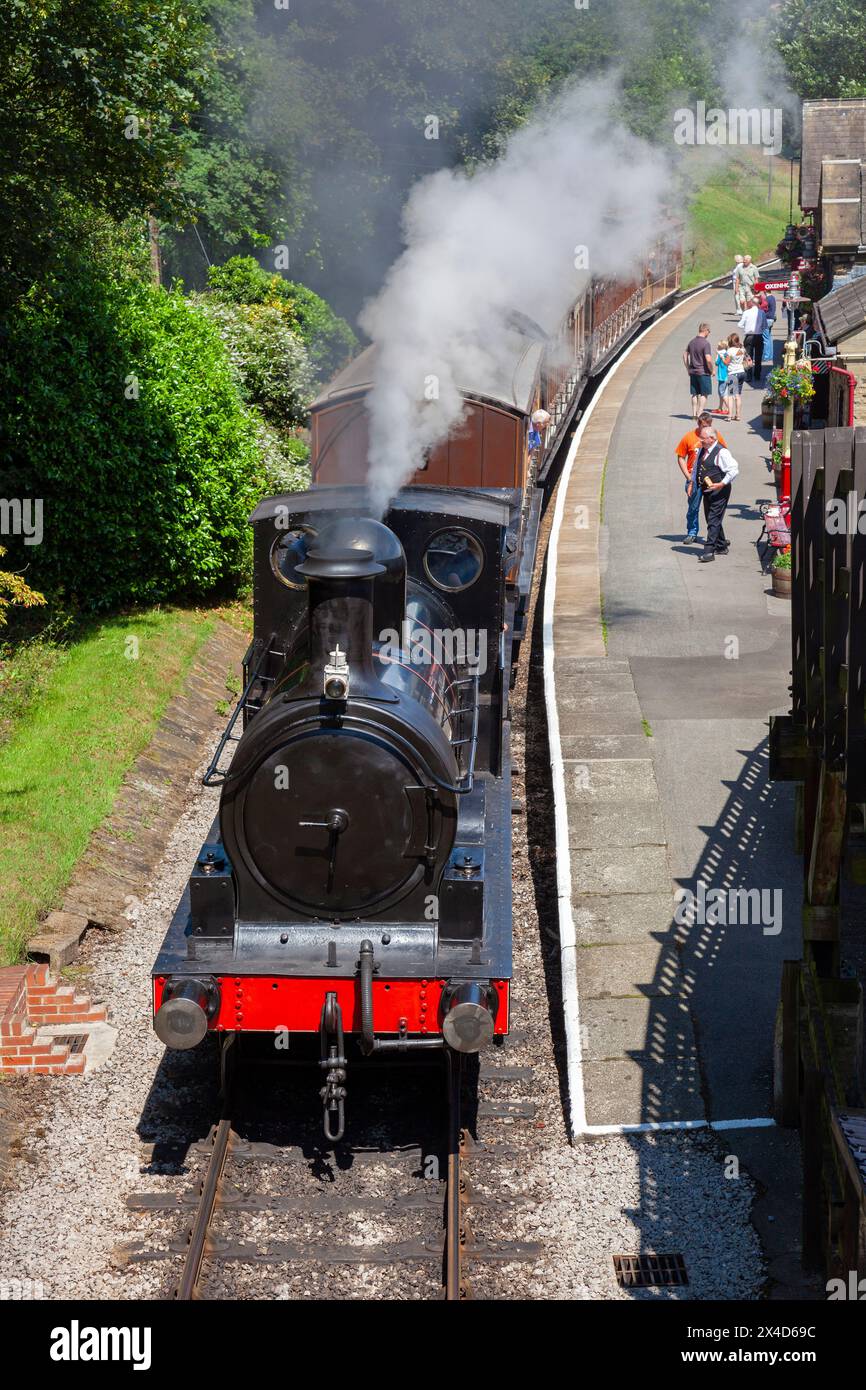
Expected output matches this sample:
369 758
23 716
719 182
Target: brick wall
31 1000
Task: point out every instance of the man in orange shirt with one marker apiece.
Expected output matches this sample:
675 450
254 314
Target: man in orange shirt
687 452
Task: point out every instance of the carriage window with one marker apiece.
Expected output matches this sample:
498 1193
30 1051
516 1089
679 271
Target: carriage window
453 559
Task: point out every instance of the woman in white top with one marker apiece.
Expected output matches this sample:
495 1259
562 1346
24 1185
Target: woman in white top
736 361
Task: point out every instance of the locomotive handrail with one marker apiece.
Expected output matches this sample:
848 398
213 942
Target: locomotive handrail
215 775
467 782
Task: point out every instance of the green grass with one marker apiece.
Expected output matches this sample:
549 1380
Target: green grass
23 678
68 743
647 728
729 213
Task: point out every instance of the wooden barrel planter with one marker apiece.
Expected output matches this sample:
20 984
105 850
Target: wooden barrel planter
781 583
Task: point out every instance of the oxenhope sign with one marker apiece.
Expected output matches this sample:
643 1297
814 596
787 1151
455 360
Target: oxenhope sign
773 286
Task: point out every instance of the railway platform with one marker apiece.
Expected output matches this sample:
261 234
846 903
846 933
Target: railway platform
661 673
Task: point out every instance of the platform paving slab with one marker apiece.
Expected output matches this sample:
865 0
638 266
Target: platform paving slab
635 869
610 779
622 825
625 917
660 1093
585 748
634 970
657 1031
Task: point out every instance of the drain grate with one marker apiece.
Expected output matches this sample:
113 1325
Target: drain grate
648 1271
74 1041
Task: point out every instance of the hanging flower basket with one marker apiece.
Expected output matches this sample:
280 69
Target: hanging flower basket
792 383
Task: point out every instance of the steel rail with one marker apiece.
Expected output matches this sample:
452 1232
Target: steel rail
456 1285
187 1288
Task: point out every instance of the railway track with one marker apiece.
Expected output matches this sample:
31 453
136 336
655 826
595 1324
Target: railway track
446 1184
283 1214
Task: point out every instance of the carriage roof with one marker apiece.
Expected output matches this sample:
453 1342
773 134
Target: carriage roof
509 382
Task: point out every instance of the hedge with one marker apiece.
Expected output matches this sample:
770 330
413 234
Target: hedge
123 415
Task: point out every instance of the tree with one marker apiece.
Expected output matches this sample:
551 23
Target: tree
13 590
823 44
95 98
234 192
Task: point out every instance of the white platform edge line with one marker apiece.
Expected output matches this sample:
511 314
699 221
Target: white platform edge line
567 933
671 1126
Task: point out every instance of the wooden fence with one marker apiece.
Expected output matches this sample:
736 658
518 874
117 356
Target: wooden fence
821 745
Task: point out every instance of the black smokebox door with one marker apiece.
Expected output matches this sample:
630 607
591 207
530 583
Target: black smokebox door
329 823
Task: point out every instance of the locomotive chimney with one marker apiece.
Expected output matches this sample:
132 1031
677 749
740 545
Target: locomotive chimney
340 584
389 590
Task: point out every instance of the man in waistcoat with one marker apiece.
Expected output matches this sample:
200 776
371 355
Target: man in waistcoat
715 470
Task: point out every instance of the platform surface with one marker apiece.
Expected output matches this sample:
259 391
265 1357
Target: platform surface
666 671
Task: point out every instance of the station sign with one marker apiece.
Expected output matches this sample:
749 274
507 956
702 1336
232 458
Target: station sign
774 286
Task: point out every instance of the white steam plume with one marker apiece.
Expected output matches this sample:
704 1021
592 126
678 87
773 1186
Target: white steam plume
505 238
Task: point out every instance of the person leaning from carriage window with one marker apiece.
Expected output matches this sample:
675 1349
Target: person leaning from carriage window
698 362
715 470
687 452
537 428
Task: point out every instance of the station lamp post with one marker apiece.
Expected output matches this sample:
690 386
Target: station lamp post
788 360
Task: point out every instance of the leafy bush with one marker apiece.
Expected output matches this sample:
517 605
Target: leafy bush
270 361
13 590
329 340
285 460
782 561
123 415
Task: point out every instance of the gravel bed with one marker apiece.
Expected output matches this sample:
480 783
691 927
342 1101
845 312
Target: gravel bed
65 1216
65 1220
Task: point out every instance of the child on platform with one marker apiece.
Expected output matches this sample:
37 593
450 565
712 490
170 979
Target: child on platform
722 376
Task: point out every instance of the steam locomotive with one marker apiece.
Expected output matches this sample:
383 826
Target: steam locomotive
357 881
